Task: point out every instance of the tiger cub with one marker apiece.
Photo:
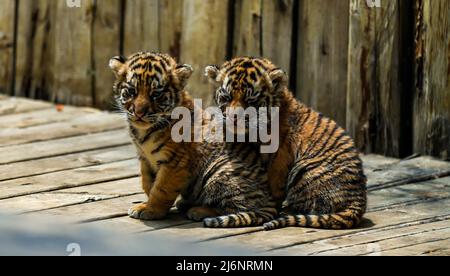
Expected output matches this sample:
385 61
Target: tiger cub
316 173
148 87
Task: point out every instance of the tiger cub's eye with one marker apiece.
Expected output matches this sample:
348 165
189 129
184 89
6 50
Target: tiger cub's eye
128 93
157 94
252 96
222 96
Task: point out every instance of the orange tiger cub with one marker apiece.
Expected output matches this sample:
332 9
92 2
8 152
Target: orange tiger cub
148 87
218 182
316 173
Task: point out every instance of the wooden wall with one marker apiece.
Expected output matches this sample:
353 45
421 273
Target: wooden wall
7 42
383 73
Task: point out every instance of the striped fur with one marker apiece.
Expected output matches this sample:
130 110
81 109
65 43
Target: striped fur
242 219
316 175
213 179
234 184
341 220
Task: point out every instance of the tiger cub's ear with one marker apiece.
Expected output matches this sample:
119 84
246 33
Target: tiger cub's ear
278 78
182 73
118 66
212 72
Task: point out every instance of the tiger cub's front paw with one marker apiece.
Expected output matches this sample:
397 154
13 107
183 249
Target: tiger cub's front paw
145 212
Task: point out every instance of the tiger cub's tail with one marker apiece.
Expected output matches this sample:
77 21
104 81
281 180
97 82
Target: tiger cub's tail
243 219
347 219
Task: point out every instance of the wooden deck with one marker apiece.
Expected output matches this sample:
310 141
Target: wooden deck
78 164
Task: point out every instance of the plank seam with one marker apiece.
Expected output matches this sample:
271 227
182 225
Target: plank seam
379 240
250 231
69 186
66 153
80 203
409 180
68 169
63 137
409 245
23 112
407 203
164 227
43 123
373 230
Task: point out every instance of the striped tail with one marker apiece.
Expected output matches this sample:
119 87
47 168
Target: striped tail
347 219
243 219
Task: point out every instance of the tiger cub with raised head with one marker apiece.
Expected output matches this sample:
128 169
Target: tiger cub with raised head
316 173
213 179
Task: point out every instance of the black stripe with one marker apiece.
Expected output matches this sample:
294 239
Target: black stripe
165 162
165 64
158 149
231 71
261 64
134 60
308 220
148 66
253 76
133 132
295 176
321 221
325 148
252 218
242 219
121 59
158 69
309 113
231 220
158 126
247 64
138 66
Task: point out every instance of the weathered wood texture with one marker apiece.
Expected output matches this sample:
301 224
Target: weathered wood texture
7 12
373 95
432 97
353 63
35 49
63 52
141 21
247 31
153 25
73 54
96 179
105 44
204 36
264 28
277 32
322 56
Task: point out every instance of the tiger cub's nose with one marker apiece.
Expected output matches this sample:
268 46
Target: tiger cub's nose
140 111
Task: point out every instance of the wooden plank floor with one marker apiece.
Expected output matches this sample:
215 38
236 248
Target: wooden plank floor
78 164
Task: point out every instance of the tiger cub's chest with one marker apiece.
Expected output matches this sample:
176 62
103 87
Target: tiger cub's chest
156 150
